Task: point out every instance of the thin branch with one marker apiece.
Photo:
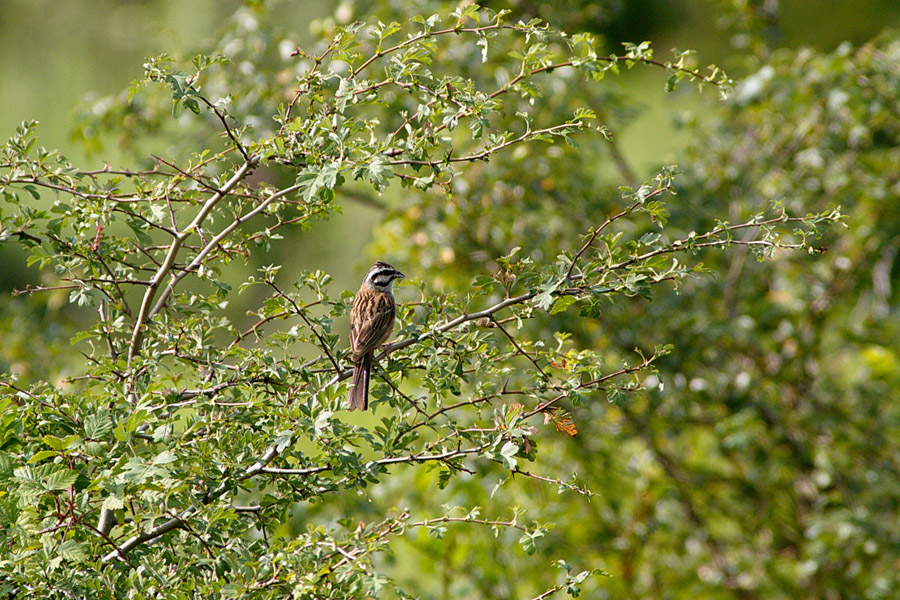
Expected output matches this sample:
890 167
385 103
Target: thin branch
198 260
221 116
145 313
519 349
491 523
397 391
600 229
299 312
493 149
255 327
583 491
75 191
409 458
540 408
195 178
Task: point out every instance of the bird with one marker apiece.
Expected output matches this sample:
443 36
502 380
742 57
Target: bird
371 323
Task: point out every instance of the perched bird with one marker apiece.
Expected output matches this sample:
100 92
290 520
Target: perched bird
371 322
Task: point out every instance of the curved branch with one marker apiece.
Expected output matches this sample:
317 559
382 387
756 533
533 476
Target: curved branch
215 242
166 267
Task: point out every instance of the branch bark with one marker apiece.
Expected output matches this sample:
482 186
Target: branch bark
145 312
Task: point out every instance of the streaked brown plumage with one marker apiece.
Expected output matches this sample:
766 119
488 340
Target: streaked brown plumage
371 323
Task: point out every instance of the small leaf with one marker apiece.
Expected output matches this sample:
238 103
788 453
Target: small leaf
97 425
113 503
562 304
545 299
72 550
164 458
283 440
33 191
508 453
39 456
57 443
59 479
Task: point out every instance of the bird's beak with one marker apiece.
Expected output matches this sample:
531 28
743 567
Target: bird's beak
400 275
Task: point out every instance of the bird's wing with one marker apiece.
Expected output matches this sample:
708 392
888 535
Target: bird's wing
371 322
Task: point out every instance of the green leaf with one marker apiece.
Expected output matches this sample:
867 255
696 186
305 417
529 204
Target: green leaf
97 425
59 478
529 541
137 471
39 456
72 550
7 466
120 434
33 191
545 298
57 443
283 440
113 502
562 303
9 511
164 458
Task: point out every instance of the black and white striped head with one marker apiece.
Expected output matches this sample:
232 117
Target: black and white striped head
381 277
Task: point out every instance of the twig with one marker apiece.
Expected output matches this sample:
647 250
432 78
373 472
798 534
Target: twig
198 260
237 144
299 312
519 348
410 458
166 267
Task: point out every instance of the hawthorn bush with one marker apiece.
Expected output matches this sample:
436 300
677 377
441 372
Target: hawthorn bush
531 395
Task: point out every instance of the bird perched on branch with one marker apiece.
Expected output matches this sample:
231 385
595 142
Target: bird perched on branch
371 323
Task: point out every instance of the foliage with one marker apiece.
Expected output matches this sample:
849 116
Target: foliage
194 456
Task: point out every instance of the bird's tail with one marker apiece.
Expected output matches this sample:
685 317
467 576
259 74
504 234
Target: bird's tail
359 392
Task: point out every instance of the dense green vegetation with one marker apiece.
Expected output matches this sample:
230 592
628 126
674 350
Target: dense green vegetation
682 385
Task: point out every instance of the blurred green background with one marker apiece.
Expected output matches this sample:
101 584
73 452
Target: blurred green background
60 57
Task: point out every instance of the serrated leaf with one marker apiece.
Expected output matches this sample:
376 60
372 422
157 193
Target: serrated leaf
562 304
164 458
7 465
59 443
137 471
72 550
545 299
97 425
60 478
113 503
322 421
120 434
9 511
508 453
529 541
283 440
437 531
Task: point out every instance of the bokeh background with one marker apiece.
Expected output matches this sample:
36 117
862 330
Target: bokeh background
768 465
61 58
